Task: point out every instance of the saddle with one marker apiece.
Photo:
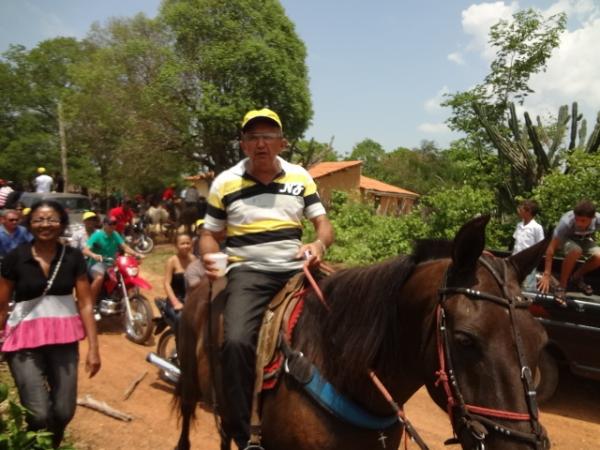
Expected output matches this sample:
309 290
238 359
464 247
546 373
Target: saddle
279 320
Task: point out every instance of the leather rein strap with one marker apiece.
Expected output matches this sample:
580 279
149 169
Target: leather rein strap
477 419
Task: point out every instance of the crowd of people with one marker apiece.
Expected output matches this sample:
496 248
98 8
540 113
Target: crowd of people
253 214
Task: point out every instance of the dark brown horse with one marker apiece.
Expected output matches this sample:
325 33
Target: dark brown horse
445 316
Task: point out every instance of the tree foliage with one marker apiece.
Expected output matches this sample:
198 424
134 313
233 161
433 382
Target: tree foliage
560 192
33 82
236 55
370 153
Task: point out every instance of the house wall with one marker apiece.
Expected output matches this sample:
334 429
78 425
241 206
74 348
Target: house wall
389 205
347 180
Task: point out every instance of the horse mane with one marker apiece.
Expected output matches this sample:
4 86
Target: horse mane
361 329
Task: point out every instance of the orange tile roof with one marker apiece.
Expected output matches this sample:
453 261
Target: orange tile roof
376 185
325 168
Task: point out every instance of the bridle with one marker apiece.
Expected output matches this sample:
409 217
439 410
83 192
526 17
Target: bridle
477 420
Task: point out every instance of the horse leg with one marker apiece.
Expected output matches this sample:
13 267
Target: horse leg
225 440
184 436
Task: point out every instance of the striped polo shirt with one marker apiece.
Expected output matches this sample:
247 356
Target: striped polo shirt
264 227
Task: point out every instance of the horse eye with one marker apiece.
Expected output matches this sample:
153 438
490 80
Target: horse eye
464 340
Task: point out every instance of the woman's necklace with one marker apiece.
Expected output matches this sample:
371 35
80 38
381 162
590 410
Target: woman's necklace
44 259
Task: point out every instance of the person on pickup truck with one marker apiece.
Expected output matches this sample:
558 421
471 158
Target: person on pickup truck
527 233
574 234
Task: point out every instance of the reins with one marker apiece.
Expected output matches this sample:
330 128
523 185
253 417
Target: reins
476 418
410 430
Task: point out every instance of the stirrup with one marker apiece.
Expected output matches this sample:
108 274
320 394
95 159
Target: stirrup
250 446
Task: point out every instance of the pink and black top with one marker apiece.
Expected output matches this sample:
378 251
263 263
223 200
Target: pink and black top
38 319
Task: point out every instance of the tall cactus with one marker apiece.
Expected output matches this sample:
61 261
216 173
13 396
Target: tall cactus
582 133
546 148
574 119
594 141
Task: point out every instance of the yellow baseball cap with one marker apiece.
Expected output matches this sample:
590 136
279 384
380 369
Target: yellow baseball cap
89 215
41 170
264 113
26 211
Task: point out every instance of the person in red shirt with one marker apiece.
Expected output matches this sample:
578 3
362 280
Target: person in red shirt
169 193
123 215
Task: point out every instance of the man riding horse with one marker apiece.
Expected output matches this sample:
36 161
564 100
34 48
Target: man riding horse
260 202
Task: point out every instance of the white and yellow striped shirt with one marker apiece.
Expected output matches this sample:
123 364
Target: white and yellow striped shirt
264 227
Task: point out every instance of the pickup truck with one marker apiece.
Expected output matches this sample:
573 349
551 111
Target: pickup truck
574 338
573 331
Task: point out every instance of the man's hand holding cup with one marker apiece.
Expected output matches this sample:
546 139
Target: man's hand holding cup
215 265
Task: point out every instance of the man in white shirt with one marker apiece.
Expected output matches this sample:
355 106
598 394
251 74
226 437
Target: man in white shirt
5 190
527 233
43 182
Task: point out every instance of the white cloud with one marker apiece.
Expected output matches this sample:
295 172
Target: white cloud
456 57
584 10
573 73
477 21
432 105
433 128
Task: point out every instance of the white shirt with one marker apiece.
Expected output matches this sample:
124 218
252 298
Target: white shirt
4 193
526 235
43 183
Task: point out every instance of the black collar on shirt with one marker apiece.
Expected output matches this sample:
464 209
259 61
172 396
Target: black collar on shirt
26 252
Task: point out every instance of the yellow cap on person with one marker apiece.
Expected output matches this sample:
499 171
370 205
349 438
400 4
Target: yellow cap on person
26 211
264 113
41 169
89 215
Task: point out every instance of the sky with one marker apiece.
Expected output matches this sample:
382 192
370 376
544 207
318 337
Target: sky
378 69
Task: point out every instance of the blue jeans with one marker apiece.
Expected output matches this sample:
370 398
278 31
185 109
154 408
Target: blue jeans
46 378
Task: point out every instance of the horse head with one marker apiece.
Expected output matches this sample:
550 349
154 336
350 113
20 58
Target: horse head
487 345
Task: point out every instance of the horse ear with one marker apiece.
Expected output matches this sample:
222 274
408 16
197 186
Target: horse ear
527 260
469 243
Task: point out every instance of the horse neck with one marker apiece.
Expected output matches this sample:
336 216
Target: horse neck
386 331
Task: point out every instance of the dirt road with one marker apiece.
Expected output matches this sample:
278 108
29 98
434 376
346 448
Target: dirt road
572 418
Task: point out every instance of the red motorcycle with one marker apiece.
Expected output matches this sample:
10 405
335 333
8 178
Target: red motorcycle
121 296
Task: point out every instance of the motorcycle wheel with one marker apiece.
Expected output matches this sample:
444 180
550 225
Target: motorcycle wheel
167 350
145 244
140 330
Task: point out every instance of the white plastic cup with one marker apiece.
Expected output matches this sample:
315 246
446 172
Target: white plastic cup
220 262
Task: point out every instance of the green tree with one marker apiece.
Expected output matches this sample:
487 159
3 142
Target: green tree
523 46
35 82
370 153
560 192
308 153
126 112
236 55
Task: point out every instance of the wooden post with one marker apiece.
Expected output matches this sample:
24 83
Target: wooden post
63 145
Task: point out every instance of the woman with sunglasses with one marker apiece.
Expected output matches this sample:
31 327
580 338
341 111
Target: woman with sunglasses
40 338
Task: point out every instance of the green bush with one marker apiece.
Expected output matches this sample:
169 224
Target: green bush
13 431
362 237
559 192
